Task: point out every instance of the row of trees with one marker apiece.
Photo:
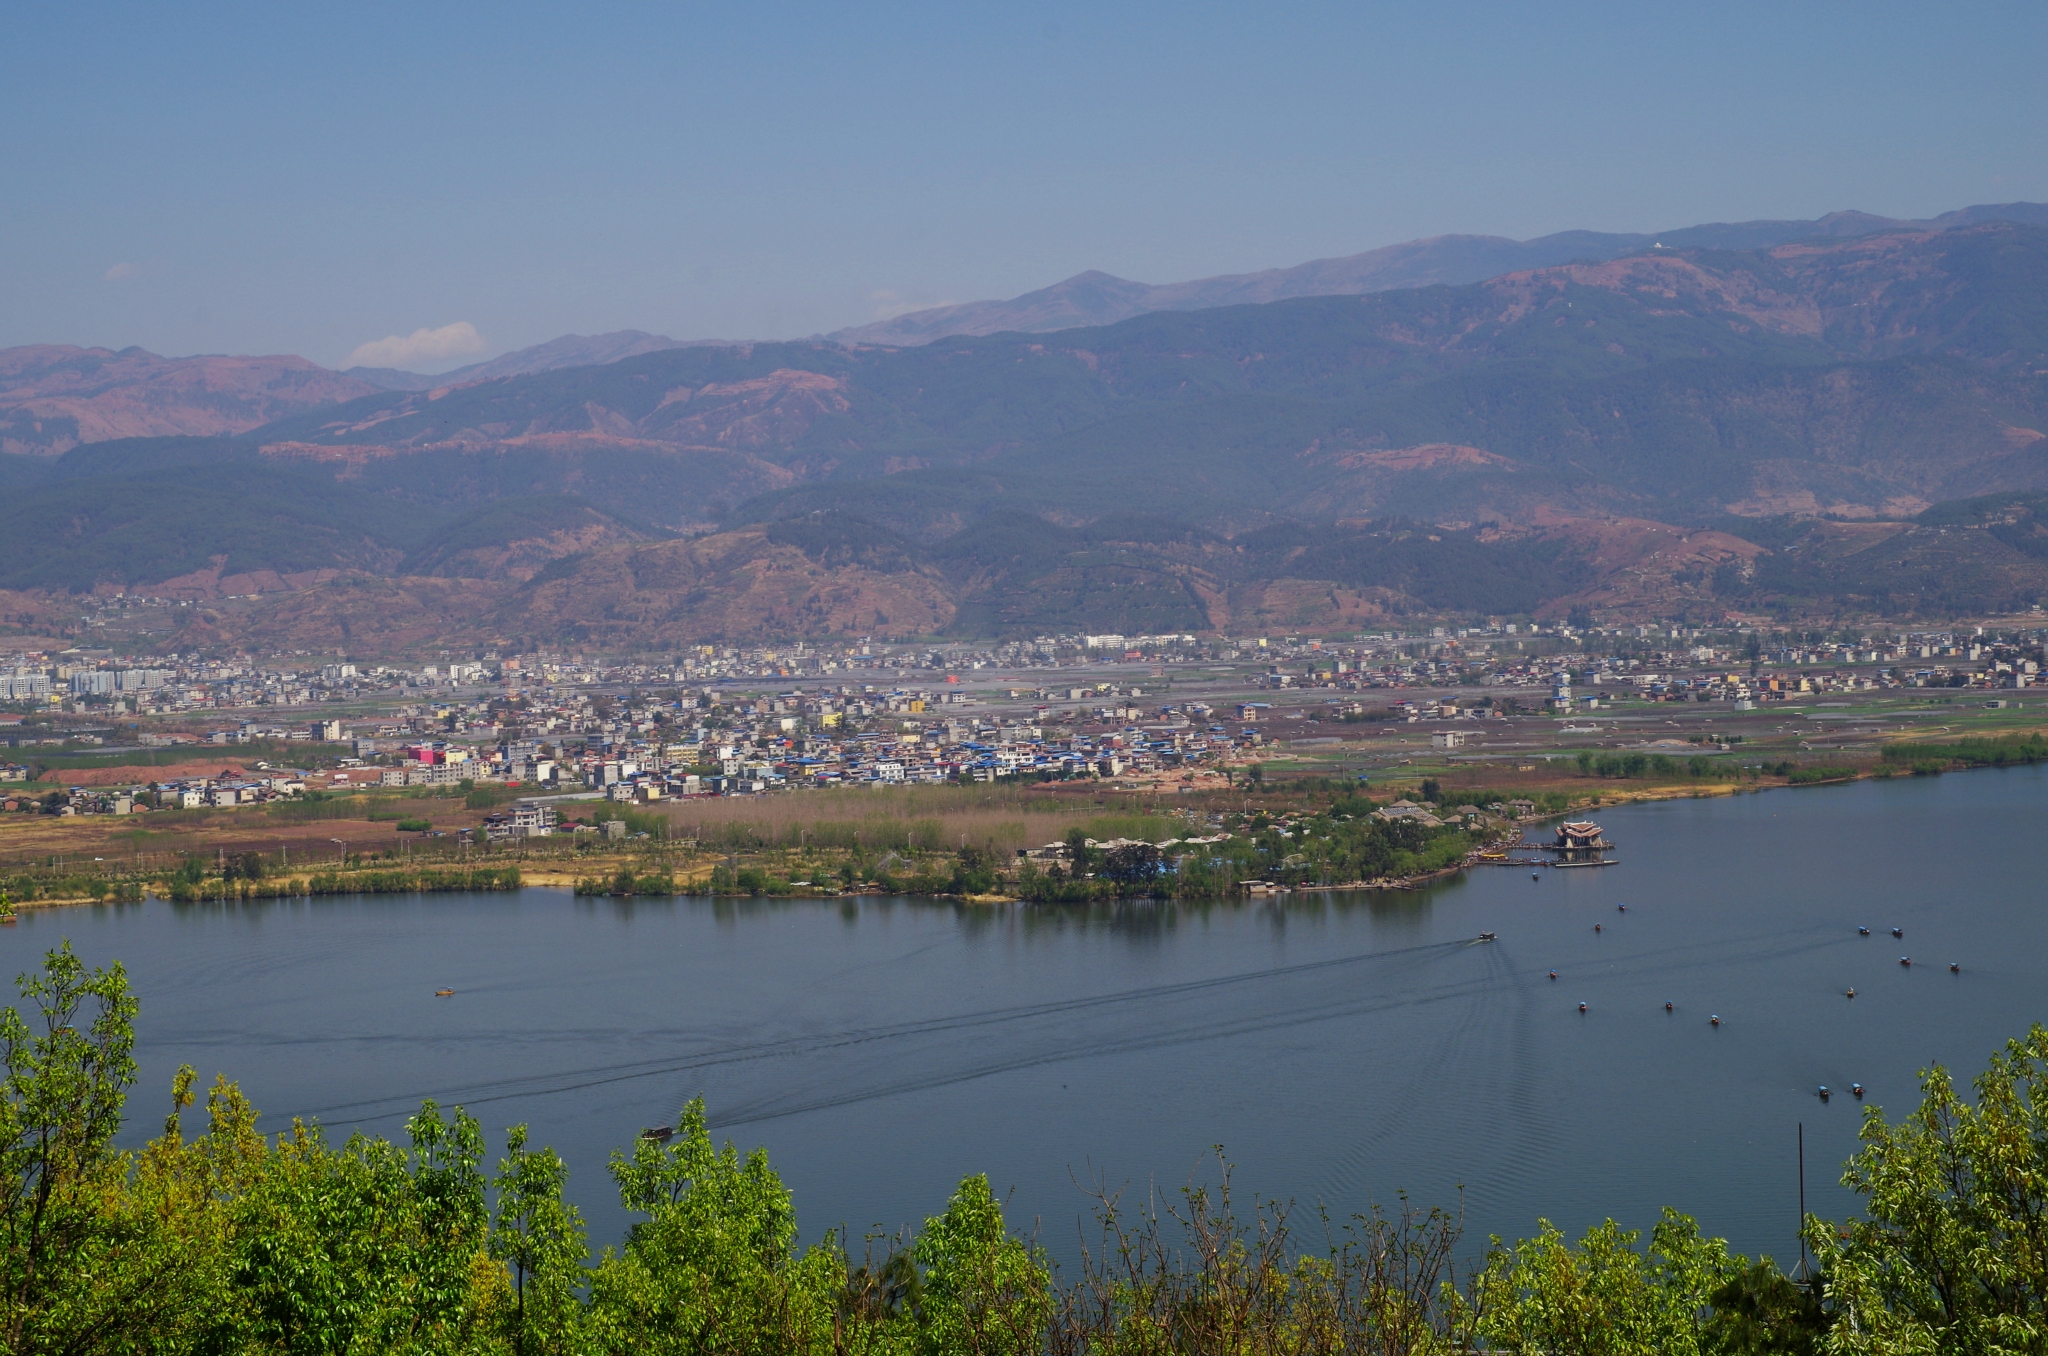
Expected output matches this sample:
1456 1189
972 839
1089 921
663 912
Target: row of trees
228 1241
1340 845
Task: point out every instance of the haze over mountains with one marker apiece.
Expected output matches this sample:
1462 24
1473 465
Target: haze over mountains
55 396
1664 424
1094 298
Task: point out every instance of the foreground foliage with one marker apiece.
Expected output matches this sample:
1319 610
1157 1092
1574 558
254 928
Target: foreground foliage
229 1241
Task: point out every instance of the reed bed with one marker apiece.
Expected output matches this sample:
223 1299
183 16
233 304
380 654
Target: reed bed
911 818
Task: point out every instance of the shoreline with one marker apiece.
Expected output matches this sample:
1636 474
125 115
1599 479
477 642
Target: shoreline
567 875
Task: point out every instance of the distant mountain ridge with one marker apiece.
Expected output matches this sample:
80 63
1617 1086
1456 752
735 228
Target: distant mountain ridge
1656 435
54 396
1866 376
1097 298
570 350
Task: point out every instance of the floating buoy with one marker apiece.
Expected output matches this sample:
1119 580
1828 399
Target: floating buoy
1714 1020
1862 932
444 993
1667 1007
1582 1007
1856 1089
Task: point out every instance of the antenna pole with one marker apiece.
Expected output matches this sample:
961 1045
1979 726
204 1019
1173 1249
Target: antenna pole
1802 1201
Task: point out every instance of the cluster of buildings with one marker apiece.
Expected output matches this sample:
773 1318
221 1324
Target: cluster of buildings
182 793
869 714
807 739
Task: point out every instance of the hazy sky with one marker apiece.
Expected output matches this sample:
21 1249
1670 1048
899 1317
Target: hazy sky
309 179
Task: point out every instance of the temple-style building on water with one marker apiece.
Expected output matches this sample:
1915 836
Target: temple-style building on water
1579 844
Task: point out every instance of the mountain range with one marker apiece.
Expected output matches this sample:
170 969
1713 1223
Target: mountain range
1095 298
1850 419
55 396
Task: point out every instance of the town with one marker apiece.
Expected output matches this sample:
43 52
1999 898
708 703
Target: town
1140 711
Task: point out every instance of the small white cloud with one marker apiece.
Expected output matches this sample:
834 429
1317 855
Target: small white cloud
118 272
420 348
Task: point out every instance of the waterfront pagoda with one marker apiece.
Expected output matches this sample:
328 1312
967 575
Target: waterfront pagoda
1579 843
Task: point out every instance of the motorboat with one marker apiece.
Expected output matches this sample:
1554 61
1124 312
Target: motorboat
1582 1007
444 993
1906 960
1823 1092
1487 937
1714 1020
1856 1090
659 1134
1954 969
1862 932
1667 1007
1852 993
1553 974
1898 932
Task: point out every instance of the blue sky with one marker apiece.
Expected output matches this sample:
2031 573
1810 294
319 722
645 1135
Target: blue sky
301 179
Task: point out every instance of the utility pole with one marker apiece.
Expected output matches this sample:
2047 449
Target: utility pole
1803 1275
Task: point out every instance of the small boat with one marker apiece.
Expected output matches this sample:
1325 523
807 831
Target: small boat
1862 932
444 993
1898 932
1596 927
1856 1090
1553 974
1852 993
1714 1020
1486 937
1534 876
1582 1007
1667 1007
1905 960
1623 908
1823 1092
660 1134
1954 969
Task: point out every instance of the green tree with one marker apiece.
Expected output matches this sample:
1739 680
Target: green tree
1763 1312
713 1266
1605 1297
1080 857
1953 1253
985 1293
66 1081
540 1235
367 1247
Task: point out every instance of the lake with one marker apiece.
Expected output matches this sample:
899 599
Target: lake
1342 1047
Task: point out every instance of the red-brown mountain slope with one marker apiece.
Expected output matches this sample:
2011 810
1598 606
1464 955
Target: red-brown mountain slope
55 396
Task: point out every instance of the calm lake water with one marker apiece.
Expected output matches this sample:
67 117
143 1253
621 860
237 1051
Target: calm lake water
1342 1047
